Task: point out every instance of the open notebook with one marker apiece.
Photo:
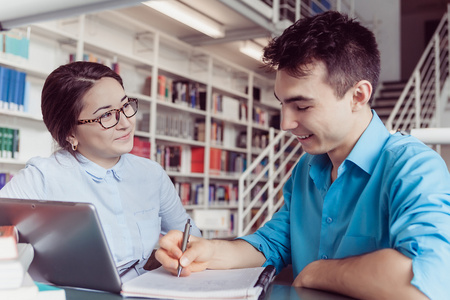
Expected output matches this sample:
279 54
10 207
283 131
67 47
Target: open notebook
249 283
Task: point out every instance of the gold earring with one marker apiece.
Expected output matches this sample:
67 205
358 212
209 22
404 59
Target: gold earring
74 147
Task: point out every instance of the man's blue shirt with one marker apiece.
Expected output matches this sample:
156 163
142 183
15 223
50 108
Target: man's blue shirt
392 191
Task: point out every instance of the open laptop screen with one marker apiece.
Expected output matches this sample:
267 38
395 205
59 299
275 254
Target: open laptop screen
70 248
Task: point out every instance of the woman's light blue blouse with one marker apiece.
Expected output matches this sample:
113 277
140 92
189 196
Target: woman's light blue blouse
135 200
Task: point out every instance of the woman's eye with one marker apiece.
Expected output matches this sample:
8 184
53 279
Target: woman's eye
106 115
302 108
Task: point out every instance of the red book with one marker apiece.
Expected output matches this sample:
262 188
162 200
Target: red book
137 146
161 87
197 159
215 161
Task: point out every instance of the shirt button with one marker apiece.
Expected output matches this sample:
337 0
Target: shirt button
329 220
324 256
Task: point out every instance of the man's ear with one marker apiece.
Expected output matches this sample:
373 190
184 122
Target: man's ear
361 94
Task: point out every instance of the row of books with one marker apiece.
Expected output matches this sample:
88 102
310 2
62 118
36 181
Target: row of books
4 179
182 92
186 159
260 140
221 162
9 142
114 65
143 121
15 44
15 281
225 194
176 125
229 107
224 134
171 158
261 117
13 86
221 134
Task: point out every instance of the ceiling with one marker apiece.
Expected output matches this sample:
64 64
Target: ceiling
241 19
238 28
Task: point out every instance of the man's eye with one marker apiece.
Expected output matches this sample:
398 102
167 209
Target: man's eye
302 108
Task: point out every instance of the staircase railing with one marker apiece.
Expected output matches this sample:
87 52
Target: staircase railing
260 186
420 104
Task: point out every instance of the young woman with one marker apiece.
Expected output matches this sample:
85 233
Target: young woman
88 114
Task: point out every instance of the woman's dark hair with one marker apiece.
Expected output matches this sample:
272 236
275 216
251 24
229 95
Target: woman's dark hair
348 50
62 96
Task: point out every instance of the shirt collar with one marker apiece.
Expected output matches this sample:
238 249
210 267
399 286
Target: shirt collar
97 172
367 150
364 154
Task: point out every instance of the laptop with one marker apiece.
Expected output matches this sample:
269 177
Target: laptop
70 248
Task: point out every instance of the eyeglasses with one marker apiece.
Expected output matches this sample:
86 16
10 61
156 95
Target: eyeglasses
111 117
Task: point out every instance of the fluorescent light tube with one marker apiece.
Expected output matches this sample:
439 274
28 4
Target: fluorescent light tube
252 49
188 16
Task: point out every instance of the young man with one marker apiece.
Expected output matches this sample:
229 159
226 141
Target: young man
366 213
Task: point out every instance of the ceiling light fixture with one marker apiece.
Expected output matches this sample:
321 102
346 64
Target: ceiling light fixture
252 49
188 16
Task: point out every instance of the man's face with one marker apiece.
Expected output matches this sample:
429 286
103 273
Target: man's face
312 112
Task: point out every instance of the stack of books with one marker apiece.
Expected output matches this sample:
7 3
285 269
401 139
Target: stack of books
15 282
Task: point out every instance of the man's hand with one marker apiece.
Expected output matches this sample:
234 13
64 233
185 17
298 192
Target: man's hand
204 254
195 258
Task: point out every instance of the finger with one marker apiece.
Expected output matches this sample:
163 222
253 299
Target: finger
192 256
167 261
169 251
171 242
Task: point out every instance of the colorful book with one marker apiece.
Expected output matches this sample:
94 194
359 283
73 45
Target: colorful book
8 241
49 292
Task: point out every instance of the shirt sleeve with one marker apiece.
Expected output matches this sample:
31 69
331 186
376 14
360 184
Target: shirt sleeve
273 239
420 218
27 184
173 214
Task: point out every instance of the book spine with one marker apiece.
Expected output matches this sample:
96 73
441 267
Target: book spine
9 237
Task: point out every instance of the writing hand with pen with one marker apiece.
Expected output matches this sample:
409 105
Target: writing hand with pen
182 254
200 254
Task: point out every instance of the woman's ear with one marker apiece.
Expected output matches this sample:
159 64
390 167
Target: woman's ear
361 94
73 141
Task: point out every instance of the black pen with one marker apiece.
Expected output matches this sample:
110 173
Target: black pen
187 229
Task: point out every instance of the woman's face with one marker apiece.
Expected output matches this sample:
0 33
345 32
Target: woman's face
104 146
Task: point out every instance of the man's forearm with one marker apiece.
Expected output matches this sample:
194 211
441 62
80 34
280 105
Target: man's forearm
384 274
235 254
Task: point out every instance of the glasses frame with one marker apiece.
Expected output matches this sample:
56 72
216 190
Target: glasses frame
117 111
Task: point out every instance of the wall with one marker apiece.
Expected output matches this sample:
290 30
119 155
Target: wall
415 15
383 16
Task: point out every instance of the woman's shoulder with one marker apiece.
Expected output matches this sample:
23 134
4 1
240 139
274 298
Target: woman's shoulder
59 159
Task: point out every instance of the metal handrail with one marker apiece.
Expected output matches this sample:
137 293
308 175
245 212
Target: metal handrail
281 151
419 105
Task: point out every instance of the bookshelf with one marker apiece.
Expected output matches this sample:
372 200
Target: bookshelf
193 106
